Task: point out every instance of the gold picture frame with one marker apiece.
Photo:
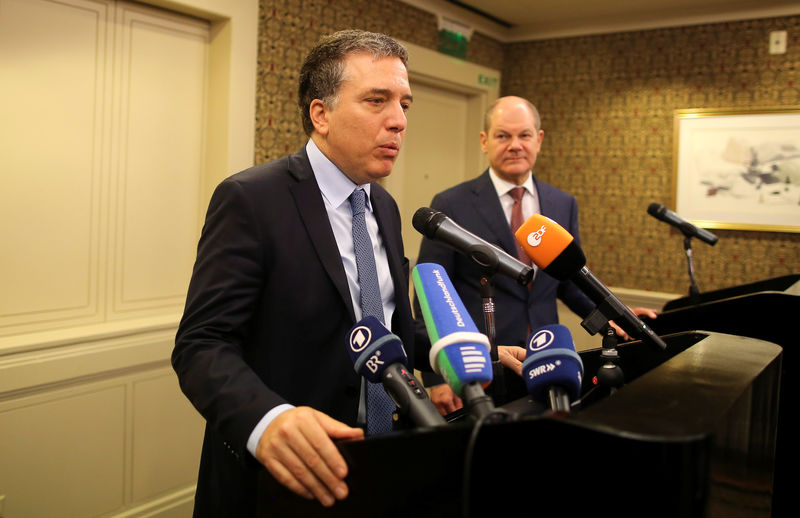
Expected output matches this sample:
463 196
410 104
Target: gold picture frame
738 168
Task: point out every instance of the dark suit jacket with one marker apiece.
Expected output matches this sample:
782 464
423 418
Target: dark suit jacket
266 318
474 205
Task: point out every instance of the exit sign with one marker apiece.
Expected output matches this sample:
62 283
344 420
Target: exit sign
487 80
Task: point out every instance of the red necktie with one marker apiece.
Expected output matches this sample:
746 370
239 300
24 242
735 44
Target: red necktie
517 221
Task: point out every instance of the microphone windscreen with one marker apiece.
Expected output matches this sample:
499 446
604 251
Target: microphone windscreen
459 352
372 348
426 221
550 246
551 361
655 210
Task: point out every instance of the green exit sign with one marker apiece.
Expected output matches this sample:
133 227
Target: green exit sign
487 80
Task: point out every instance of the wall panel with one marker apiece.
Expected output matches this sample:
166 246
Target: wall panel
159 167
103 186
63 453
52 97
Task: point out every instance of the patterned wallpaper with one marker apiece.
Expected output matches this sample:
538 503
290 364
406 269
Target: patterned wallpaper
289 28
607 107
606 103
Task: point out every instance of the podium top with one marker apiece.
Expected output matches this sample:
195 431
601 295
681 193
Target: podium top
788 284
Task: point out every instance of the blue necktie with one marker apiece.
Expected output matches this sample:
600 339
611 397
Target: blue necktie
379 404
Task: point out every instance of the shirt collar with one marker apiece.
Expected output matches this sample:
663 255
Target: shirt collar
503 187
335 186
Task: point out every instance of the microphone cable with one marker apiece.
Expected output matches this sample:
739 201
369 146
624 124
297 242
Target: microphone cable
469 454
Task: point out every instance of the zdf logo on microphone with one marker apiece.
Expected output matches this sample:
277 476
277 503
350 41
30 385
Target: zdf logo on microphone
535 238
541 340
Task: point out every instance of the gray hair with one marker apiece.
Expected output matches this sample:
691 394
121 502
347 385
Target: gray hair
487 119
323 69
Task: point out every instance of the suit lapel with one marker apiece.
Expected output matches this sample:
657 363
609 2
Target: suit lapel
545 202
383 206
383 214
487 204
311 210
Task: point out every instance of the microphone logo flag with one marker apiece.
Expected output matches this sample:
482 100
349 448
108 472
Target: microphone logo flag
535 238
551 361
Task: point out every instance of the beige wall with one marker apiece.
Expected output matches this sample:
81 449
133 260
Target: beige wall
119 121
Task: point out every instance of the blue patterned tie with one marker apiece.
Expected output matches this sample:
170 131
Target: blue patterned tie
379 404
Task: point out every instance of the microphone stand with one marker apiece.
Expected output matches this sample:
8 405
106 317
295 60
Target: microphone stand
610 375
497 387
687 246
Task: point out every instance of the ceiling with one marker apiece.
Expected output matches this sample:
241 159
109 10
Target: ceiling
523 20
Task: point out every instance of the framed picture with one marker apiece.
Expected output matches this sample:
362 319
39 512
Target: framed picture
738 169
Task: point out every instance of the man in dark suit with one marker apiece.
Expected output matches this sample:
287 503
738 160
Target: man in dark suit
261 350
511 139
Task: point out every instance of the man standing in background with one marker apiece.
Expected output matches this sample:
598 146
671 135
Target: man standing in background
492 206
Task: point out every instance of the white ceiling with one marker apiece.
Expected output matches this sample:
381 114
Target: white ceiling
544 19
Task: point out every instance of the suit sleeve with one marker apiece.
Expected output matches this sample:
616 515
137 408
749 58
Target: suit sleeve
211 342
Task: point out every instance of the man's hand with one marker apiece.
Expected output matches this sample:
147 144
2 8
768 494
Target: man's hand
651 313
511 357
297 449
444 399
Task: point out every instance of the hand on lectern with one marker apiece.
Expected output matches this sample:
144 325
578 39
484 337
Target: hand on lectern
298 450
647 312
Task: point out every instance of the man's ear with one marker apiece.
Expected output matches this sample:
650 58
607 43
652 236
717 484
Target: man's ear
319 116
483 141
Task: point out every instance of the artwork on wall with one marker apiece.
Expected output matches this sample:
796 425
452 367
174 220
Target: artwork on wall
738 168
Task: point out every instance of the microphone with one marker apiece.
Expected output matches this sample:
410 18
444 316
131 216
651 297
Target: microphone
555 251
552 370
435 225
459 353
659 211
379 356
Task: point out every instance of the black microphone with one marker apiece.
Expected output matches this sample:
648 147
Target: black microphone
435 225
379 356
659 211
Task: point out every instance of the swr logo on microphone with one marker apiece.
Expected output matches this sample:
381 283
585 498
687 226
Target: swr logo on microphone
541 340
535 238
543 369
360 338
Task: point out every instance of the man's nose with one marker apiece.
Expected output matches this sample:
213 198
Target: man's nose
396 118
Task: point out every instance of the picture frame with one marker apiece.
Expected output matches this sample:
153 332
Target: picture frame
738 169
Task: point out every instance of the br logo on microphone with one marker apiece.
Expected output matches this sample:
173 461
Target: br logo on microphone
374 363
359 338
535 238
541 340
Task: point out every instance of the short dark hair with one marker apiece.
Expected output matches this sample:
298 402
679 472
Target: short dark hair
323 68
487 119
